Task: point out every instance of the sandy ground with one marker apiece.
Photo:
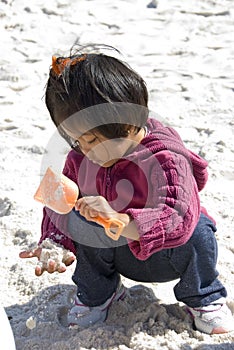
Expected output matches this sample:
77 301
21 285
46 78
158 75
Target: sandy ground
185 52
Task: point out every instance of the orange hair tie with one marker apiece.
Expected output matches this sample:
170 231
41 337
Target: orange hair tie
59 64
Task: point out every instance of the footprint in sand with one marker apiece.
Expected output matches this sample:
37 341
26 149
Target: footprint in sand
5 206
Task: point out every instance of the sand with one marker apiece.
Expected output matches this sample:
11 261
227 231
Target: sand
185 52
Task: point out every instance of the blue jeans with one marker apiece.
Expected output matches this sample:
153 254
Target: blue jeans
98 270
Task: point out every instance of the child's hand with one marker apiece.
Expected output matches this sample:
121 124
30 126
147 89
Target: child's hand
51 257
93 206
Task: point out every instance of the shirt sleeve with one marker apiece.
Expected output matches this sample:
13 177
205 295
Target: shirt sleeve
170 221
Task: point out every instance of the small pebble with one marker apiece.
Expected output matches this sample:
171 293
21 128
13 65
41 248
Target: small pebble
153 4
31 323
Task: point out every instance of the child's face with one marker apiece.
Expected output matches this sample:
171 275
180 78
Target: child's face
103 151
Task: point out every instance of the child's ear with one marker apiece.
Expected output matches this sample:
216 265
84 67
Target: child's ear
130 129
134 130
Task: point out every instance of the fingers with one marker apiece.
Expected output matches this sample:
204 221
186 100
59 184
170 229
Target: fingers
88 207
30 254
50 267
92 206
61 268
38 270
69 260
45 263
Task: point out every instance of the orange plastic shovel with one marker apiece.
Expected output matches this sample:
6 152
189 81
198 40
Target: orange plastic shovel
59 193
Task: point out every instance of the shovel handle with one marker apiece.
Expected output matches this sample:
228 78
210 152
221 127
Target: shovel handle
113 227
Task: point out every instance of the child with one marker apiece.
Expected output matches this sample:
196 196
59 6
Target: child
129 167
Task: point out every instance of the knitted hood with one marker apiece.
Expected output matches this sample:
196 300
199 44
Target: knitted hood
162 138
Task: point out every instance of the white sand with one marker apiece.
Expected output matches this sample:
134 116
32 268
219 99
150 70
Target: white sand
185 52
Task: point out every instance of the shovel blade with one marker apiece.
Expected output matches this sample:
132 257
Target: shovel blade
57 192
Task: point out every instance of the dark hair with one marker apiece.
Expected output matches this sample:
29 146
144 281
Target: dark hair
91 80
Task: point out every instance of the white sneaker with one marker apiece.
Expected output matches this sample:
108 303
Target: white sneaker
84 316
215 318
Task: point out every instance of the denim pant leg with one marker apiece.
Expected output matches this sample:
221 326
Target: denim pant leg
193 263
95 275
157 268
98 269
196 263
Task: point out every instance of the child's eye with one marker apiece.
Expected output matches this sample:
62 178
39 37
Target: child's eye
92 141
